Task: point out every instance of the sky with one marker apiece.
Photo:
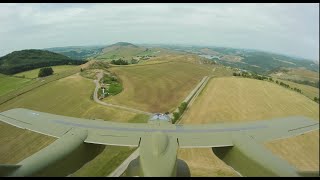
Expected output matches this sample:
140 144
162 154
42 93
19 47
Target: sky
290 29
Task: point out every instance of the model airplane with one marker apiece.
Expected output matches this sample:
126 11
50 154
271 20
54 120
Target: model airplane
239 145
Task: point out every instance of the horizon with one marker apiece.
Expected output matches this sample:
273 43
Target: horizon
287 29
173 44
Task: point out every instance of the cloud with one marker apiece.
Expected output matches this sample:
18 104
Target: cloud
286 28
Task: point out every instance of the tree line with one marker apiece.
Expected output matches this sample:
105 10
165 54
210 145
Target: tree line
119 62
182 108
261 77
26 67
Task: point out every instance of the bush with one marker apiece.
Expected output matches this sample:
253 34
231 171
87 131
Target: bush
182 107
119 62
115 88
134 61
176 116
46 71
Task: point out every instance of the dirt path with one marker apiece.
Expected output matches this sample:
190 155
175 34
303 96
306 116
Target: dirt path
96 99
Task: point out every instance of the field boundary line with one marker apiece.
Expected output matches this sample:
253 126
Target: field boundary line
193 95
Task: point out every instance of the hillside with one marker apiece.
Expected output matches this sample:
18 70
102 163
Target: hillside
157 87
232 99
128 51
19 61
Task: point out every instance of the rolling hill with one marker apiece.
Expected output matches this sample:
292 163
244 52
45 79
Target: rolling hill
252 60
127 51
158 86
19 61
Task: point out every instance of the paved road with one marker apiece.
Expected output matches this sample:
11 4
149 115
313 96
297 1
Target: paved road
96 99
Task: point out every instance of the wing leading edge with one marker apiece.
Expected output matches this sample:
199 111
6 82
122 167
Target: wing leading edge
130 134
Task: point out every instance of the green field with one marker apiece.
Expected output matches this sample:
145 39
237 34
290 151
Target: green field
233 99
34 73
69 96
98 167
157 87
9 83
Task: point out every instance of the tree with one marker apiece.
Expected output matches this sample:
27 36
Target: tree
119 62
182 107
134 61
176 116
234 74
46 71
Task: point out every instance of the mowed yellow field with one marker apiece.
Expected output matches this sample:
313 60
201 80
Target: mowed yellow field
69 96
232 99
157 87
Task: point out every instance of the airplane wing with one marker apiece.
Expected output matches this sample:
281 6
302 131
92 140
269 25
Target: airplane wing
130 134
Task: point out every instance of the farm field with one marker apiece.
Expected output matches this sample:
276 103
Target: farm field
34 73
232 99
157 87
68 96
10 83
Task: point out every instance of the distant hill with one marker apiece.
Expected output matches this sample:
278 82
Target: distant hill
298 75
125 51
19 61
77 52
252 60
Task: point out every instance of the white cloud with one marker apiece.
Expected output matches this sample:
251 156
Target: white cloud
287 28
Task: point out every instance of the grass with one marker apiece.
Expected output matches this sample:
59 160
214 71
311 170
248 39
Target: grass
222 71
10 83
115 88
232 99
68 96
36 83
98 167
157 87
34 73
